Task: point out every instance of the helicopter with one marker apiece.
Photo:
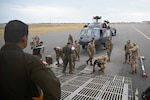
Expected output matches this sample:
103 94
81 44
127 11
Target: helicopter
99 31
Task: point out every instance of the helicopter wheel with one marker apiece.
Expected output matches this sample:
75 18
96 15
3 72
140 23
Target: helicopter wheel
83 46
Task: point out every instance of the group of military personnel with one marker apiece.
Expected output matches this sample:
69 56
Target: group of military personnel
131 55
71 53
102 60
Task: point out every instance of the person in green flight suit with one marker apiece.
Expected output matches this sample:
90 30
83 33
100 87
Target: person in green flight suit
23 76
67 57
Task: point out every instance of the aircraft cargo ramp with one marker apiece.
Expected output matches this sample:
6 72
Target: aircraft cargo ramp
87 86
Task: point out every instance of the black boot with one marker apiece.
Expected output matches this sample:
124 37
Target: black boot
87 62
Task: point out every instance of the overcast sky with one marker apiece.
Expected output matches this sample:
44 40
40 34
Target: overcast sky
75 11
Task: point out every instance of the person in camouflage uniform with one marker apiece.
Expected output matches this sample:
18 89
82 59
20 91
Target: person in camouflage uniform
77 50
73 57
127 52
67 57
59 54
70 38
37 39
101 62
91 51
34 44
134 58
109 47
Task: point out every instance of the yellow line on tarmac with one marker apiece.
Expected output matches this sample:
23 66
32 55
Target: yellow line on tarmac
141 33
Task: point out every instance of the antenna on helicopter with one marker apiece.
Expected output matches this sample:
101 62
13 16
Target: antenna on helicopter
97 18
106 21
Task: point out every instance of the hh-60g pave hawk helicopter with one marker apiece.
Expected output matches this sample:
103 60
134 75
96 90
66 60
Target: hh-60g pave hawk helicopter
99 31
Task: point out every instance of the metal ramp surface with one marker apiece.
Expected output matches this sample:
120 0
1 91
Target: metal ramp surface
90 87
87 70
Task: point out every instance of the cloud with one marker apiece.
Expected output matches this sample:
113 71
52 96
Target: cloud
40 13
72 11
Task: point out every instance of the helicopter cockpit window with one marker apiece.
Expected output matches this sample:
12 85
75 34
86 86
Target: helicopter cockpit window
96 32
89 32
86 32
83 32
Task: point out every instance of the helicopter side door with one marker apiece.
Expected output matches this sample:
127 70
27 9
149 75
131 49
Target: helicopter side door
104 34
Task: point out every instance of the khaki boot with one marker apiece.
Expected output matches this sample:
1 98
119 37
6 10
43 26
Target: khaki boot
108 60
125 62
132 72
93 70
135 70
87 62
101 72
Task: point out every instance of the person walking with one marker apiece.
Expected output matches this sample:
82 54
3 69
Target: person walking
67 53
134 58
24 76
91 51
127 48
77 50
109 47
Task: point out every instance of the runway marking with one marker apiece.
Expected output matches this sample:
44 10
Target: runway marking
141 32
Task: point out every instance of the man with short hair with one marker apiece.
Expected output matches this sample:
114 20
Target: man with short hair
23 75
67 57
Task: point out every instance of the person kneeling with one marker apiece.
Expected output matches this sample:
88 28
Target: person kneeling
101 63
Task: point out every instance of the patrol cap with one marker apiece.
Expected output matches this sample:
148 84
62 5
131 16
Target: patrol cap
92 39
69 43
134 44
108 38
14 30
